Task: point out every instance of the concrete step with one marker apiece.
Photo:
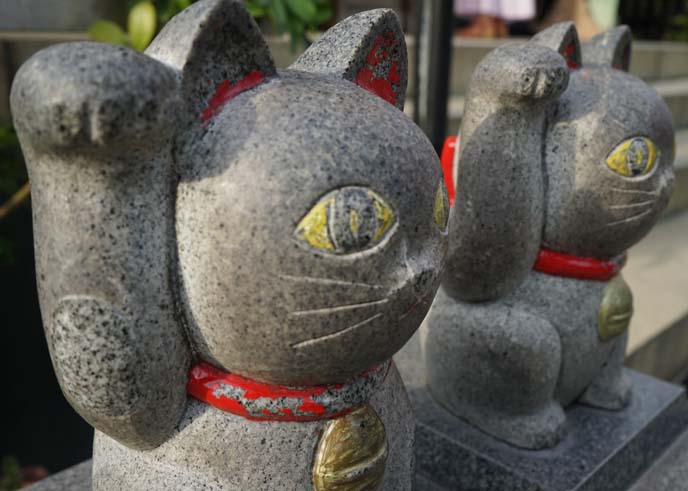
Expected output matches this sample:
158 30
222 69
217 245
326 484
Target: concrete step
674 92
669 472
651 60
679 200
657 272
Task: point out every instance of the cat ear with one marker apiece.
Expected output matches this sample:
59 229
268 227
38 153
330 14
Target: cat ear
368 49
562 38
610 48
219 50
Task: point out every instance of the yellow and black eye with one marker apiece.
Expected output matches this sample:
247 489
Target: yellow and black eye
633 157
347 220
441 207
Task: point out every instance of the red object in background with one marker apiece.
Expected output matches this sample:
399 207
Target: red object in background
582 268
447 160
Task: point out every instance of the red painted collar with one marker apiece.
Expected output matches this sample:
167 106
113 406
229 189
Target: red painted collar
582 268
260 401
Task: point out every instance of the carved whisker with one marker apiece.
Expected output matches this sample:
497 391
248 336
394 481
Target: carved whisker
338 308
628 219
636 191
328 281
312 341
633 205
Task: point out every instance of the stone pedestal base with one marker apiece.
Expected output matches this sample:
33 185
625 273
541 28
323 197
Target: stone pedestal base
77 478
601 449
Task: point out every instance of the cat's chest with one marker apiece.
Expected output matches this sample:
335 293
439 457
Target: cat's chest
592 310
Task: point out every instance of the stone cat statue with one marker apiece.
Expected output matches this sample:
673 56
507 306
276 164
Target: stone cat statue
565 161
228 254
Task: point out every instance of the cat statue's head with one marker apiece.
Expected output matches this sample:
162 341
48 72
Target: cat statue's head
311 213
609 148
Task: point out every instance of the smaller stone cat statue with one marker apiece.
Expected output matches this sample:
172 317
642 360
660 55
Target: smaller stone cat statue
565 161
228 254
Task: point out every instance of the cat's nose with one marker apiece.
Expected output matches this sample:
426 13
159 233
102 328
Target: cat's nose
418 272
668 179
423 281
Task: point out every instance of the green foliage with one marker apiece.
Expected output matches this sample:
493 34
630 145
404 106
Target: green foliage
671 15
141 24
169 8
296 17
10 474
107 31
12 170
141 27
12 177
680 28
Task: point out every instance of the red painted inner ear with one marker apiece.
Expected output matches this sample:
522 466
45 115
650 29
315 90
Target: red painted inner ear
225 92
568 53
375 77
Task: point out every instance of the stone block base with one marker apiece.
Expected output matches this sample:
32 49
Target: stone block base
600 450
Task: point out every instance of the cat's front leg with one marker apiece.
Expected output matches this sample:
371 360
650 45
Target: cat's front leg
96 127
498 369
496 223
611 389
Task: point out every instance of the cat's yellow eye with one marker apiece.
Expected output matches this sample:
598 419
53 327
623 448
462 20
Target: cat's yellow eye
633 157
441 207
347 220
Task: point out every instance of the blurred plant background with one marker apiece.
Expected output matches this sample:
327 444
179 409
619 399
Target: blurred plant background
296 18
14 189
146 18
656 19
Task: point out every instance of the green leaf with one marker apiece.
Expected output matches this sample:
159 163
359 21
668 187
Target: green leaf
10 475
256 10
166 10
141 25
303 9
323 15
106 31
297 34
279 15
182 4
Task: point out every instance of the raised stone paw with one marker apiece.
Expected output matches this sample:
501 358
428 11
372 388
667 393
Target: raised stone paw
88 94
527 72
607 392
542 82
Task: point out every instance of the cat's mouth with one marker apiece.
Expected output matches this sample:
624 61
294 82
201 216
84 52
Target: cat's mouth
414 291
308 343
363 310
644 205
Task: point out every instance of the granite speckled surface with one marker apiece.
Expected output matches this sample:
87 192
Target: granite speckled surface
194 205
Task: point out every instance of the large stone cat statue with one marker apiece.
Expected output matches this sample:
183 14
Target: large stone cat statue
229 254
565 162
